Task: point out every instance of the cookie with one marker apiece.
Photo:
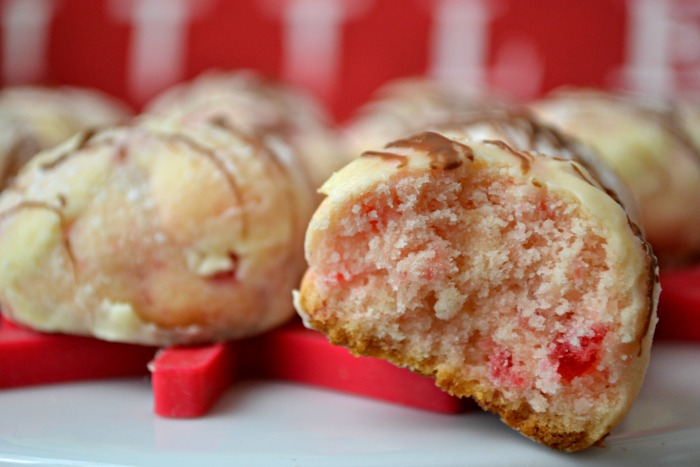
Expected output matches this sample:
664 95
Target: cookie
509 276
153 233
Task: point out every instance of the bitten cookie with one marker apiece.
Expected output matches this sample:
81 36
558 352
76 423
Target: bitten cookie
33 118
247 100
508 276
650 151
154 234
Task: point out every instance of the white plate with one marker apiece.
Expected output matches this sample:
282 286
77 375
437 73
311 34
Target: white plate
280 424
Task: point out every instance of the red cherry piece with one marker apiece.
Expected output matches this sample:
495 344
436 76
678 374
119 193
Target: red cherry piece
574 360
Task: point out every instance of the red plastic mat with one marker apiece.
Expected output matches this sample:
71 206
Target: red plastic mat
187 381
679 305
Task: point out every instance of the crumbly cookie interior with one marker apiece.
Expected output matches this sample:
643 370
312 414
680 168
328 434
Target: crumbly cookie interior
499 287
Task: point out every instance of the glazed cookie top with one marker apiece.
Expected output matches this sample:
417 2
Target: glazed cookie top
409 105
17 145
687 115
255 104
274 107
